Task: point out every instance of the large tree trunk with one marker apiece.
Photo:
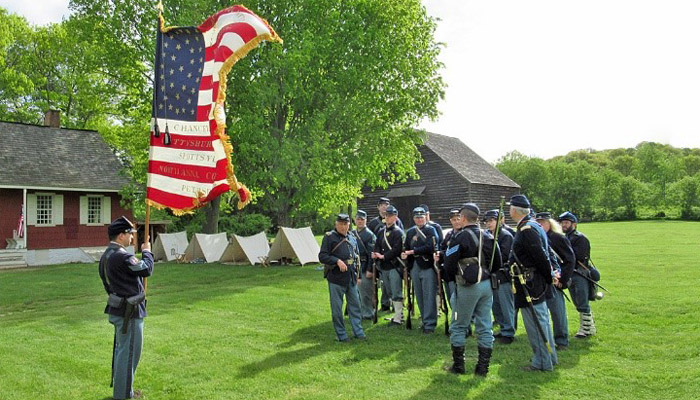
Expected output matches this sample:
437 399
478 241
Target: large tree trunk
212 210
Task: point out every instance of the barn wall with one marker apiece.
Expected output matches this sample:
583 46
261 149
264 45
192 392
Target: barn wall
445 189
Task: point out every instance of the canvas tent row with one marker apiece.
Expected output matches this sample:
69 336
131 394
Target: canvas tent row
295 243
251 249
207 247
169 246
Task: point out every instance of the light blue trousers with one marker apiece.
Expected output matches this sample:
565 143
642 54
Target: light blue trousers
352 297
127 353
367 296
425 286
504 309
560 323
541 359
474 300
394 283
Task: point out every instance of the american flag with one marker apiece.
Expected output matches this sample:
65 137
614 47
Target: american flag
190 154
20 223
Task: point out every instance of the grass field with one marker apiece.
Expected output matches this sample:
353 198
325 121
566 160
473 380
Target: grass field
241 332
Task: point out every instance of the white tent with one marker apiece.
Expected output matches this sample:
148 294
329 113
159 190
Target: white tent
169 246
208 247
246 248
295 243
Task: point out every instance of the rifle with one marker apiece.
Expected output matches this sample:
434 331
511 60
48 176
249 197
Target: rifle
375 298
494 277
515 271
407 283
587 278
441 293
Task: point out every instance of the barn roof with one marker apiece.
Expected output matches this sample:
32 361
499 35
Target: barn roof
466 162
35 156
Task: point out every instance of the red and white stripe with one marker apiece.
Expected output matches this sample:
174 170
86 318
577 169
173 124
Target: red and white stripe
193 169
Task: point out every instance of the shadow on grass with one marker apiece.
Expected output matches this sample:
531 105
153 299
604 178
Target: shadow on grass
506 378
385 344
73 294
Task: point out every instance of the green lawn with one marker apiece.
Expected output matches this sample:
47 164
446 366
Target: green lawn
241 332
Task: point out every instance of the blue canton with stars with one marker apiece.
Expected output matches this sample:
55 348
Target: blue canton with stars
179 62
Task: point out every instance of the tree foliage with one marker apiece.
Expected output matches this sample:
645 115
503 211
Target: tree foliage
611 184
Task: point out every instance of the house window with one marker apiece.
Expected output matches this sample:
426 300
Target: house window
94 210
44 210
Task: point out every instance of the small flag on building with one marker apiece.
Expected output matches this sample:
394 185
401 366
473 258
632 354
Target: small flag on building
190 153
20 223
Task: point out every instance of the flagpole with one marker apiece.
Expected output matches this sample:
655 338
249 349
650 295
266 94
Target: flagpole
147 239
147 227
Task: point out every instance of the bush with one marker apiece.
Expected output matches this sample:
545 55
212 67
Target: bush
623 214
601 214
244 224
693 214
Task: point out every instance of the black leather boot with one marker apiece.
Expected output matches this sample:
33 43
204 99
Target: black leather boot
458 360
482 365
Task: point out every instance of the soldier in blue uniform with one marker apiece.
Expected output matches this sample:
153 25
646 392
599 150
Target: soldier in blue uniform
340 256
468 259
438 227
565 262
530 254
122 277
419 246
375 225
580 287
503 302
387 252
365 242
379 221
455 219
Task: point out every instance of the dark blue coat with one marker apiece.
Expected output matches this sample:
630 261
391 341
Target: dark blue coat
581 245
391 251
449 277
530 246
365 243
565 255
424 242
465 243
122 274
336 247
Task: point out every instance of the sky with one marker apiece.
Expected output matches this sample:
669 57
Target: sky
546 77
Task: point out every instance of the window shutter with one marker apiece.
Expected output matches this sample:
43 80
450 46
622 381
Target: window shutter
83 210
106 210
31 209
57 209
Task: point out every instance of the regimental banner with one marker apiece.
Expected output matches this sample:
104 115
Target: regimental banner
190 153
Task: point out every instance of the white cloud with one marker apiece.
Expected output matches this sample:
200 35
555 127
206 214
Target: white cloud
39 12
548 77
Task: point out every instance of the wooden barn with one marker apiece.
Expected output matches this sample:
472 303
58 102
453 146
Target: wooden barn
59 189
450 174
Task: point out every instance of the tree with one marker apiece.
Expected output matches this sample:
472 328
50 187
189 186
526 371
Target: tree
531 174
685 193
572 186
15 85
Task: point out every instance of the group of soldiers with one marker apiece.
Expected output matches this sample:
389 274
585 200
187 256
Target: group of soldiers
479 273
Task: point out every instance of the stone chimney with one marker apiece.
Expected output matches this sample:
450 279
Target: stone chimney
52 118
